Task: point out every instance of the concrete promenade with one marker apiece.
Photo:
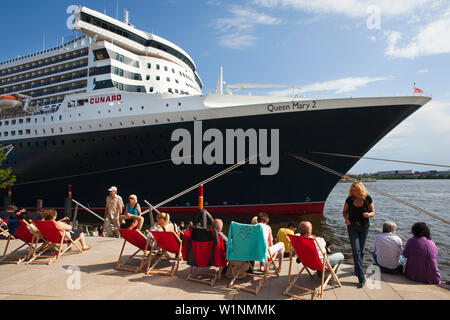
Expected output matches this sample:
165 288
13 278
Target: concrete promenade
98 280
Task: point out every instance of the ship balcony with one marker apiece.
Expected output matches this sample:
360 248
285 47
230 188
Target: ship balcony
47 73
44 64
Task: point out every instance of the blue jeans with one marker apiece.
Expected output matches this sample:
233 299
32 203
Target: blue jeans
358 235
334 259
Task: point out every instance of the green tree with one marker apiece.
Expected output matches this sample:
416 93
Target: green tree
6 176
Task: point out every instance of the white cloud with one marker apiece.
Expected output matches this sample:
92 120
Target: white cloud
338 86
351 8
373 38
236 31
431 39
422 71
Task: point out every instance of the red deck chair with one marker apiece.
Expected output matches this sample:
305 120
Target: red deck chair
140 241
4 229
24 232
54 237
168 242
204 249
305 248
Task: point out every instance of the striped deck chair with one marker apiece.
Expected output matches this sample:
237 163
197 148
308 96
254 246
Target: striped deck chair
4 229
204 249
54 238
140 241
167 242
247 243
305 248
29 236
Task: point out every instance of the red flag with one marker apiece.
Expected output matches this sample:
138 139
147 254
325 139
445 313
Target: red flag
417 90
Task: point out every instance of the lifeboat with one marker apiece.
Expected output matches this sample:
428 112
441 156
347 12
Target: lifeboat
10 102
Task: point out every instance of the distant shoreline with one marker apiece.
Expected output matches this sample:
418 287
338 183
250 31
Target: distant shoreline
396 177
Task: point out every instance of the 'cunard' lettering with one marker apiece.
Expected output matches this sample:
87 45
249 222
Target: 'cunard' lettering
113 98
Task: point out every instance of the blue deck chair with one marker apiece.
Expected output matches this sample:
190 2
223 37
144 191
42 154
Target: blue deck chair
247 243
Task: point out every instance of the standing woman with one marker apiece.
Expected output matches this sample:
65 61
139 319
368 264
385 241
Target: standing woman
358 209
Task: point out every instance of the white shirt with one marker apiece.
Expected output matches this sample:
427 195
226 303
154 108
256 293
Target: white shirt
388 248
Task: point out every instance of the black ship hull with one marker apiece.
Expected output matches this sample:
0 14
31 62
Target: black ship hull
137 161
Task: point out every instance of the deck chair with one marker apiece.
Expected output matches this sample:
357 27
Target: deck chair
165 243
204 249
54 238
26 233
4 229
139 240
247 243
305 248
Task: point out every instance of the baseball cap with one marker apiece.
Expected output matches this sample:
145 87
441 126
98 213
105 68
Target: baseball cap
113 189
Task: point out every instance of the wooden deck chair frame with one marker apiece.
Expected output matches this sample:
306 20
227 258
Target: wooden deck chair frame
161 253
5 231
263 277
21 257
318 292
48 245
147 252
212 276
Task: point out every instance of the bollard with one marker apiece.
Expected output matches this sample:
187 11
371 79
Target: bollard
68 204
200 197
39 204
7 200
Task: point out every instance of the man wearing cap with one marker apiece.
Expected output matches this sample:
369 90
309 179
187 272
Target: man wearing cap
114 208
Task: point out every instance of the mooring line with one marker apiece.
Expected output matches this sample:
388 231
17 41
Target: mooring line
380 159
100 171
217 175
368 187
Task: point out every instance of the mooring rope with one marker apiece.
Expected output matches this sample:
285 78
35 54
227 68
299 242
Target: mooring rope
368 187
100 171
380 159
217 175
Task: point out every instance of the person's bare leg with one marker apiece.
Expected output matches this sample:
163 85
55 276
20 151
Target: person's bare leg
140 223
280 261
83 242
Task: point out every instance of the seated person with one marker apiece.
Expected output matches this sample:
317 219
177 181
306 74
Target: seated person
387 249
334 258
50 215
133 212
218 225
32 216
278 248
164 224
282 236
422 255
11 217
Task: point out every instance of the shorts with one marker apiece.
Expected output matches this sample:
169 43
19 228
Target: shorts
76 234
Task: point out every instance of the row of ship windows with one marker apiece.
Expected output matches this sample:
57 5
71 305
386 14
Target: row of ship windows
82 140
52 118
13 133
158 67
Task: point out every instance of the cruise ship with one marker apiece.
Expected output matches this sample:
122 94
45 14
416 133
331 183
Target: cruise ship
102 110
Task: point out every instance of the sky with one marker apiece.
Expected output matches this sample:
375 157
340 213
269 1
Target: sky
331 49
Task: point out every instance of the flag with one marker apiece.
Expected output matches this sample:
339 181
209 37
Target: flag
417 90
